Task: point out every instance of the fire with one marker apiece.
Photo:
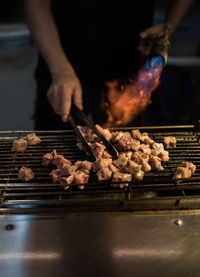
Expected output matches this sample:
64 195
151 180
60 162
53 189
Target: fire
123 104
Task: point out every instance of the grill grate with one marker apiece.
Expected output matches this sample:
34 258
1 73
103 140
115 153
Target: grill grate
156 191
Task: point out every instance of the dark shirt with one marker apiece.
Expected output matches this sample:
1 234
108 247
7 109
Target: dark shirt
100 39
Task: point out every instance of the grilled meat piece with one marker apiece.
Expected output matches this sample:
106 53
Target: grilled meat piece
127 155
155 163
101 163
81 178
144 137
169 142
104 174
68 170
135 144
132 167
19 145
25 174
121 177
121 162
67 180
136 134
148 141
157 146
182 173
139 175
105 132
33 139
84 166
145 149
60 161
56 176
164 156
47 159
98 149
190 166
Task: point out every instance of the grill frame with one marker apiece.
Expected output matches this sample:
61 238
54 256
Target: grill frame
149 194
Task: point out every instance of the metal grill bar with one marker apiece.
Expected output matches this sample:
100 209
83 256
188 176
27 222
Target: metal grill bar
41 192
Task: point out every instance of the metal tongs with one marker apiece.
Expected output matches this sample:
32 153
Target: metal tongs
113 152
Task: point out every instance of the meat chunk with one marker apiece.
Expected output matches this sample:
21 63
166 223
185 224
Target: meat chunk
84 166
19 145
164 156
105 132
117 136
169 142
25 174
190 166
67 180
121 162
155 163
47 159
144 136
127 155
157 146
104 174
145 149
139 175
80 177
33 139
132 167
135 144
97 165
56 176
112 168
68 170
121 177
182 173
60 161
123 144
98 149
136 134
148 141
143 160
146 167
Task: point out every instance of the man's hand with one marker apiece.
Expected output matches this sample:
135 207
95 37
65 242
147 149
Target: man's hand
64 89
146 37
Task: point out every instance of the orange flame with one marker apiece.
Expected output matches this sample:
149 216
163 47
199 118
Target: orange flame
122 105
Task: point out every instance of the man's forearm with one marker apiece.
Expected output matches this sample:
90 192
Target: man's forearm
45 34
176 12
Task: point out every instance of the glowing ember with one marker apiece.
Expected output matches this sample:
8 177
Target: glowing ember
123 105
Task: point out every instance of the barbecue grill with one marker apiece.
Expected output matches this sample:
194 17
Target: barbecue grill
139 230
156 191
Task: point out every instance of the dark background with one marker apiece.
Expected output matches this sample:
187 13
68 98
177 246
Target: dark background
176 101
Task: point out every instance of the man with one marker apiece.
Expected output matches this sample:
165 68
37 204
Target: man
85 43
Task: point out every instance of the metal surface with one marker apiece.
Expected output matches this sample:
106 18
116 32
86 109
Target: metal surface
156 191
100 245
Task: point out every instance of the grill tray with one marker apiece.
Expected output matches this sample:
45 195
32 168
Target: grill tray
156 191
